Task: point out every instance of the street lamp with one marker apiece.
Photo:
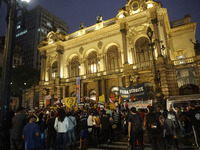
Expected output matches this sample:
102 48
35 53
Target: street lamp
156 72
13 6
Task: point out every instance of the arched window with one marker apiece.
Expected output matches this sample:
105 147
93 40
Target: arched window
93 95
112 58
92 62
74 70
142 50
54 69
73 94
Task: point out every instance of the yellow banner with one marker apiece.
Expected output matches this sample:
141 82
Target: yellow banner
119 99
70 101
102 99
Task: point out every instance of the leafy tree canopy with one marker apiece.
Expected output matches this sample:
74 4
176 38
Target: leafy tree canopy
24 77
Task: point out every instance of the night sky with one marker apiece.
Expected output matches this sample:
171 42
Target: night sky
75 11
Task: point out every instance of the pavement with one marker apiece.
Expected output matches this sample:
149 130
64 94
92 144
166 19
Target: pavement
122 143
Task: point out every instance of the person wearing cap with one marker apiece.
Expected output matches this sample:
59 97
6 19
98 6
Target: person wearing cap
17 125
31 134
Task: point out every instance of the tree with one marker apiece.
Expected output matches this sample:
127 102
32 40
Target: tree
24 77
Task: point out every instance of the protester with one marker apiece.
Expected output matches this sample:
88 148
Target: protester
169 133
135 130
31 133
17 125
51 132
71 129
194 118
105 126
42 125
61 125
154 127
84 134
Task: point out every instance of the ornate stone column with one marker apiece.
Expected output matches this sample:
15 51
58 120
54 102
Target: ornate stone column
127 80
64 91
124 42
58 92
82 89
157 38
41 100
103 87
43 65
120 81
60 52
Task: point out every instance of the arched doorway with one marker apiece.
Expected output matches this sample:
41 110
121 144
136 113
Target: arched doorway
92 95
187 81
189 89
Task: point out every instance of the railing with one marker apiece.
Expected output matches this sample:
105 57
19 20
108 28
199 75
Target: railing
92 28
142 65
183 61
183 21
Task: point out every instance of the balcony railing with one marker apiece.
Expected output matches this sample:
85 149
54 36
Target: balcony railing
183 61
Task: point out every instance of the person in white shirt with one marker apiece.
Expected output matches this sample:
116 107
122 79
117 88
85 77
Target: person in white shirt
61 125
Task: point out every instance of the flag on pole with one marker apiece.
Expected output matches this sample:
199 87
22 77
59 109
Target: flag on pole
13 104
119 99
112 102
102 99
96 99
70 101
132 98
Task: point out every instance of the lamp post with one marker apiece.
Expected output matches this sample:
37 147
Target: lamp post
13 7
157 93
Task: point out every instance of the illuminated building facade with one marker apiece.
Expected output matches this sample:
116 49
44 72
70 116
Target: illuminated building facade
116 52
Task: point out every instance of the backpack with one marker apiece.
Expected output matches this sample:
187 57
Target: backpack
153 124
136 124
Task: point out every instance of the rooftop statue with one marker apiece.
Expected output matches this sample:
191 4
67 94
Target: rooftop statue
81 26
99 19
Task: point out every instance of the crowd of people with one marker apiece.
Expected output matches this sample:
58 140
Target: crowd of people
59 128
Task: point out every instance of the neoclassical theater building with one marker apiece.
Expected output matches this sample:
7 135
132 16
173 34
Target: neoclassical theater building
119 52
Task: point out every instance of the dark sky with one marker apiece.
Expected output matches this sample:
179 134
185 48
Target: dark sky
75 11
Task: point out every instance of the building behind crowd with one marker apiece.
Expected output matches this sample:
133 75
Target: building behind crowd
115 53
32 28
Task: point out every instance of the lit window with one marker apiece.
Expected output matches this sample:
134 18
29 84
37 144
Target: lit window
49 24
181 57
18 27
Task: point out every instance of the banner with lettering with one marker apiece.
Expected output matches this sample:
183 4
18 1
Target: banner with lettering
140 104
142 91
78 92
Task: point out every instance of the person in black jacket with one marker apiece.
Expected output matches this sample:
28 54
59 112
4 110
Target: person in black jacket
51 132
42 125
135 129
154 127
194 119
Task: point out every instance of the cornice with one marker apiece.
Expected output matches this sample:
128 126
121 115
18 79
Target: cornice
93 36
183 27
